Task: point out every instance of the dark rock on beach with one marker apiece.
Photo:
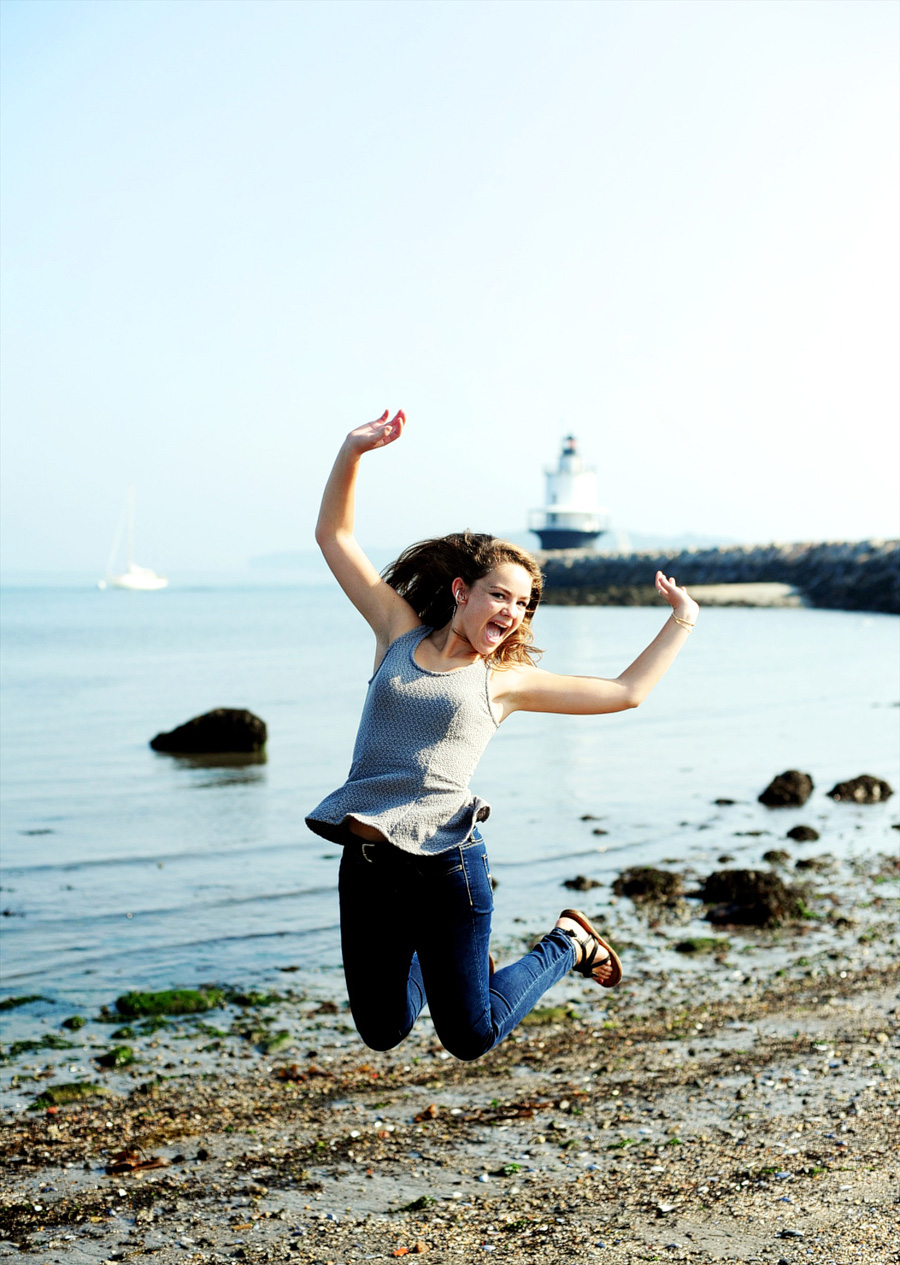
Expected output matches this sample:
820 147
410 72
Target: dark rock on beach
818 865
226 729
864 789
803 834
580 883
777 856
750 898
644 883
788 790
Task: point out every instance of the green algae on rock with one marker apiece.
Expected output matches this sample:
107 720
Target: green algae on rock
118 1056
272 1042
50 1041
10 1003
547 1014
175 1001
68 1091
703 944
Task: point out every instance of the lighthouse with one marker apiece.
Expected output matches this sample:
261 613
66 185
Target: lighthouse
570 517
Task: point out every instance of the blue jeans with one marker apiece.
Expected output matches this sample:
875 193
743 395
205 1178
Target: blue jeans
416 929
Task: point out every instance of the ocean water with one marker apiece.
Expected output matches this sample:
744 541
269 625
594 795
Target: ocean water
122 868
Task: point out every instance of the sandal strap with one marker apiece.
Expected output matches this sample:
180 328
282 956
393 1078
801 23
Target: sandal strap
590 951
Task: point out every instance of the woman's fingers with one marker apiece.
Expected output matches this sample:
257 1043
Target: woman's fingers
378 433
676 595
393 428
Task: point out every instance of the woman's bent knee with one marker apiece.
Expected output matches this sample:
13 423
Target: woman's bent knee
378 1040
467 1047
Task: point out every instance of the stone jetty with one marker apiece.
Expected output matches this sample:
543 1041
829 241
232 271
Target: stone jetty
857 576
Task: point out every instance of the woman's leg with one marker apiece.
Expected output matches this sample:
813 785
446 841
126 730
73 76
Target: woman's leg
471 1009
384 982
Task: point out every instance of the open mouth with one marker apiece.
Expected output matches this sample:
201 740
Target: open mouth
495 632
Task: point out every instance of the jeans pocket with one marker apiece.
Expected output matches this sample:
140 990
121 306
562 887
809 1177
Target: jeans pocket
489 882
478 880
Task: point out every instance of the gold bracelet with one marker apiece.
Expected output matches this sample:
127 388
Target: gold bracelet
684 623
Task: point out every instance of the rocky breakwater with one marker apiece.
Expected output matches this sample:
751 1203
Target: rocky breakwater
863 576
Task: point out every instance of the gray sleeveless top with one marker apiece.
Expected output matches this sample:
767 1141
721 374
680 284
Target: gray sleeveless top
420 737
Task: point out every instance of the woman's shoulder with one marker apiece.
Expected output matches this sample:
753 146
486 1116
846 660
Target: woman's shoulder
406 639
411 635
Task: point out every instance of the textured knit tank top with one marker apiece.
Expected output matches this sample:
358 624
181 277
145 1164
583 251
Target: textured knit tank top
420 737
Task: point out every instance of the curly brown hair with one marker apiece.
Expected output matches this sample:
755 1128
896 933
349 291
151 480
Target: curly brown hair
424 574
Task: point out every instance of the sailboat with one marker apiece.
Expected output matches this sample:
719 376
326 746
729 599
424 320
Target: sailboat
139 579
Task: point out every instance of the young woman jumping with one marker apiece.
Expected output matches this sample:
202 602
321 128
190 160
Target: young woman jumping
453 659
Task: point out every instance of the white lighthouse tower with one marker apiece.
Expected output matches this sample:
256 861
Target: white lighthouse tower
570 518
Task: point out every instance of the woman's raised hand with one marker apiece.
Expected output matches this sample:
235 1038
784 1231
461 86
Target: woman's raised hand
377 434
683 605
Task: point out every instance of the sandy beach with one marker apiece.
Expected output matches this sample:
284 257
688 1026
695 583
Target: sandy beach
739 1108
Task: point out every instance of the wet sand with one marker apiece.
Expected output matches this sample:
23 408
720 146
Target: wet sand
742 1108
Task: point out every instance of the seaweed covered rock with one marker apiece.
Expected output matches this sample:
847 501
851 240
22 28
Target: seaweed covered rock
788 790
117 1056
703 944
864 789
750 898
225 729
174 1001
68 1091
643 883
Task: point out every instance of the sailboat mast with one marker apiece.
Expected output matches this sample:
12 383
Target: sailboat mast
129 561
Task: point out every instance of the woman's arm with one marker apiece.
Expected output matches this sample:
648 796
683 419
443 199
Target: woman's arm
534 690
385 610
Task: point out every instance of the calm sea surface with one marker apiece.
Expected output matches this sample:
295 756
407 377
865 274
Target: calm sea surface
123 869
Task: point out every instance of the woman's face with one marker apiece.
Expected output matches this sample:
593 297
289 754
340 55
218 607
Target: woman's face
488 611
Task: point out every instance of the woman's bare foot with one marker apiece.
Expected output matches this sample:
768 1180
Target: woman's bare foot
593 956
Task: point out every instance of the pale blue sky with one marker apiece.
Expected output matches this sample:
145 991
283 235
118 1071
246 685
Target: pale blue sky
232 230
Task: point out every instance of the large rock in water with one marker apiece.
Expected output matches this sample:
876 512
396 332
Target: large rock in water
750 898
789 790
644 883
864 789
224 729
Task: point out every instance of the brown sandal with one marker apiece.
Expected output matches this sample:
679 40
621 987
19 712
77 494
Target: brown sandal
592 945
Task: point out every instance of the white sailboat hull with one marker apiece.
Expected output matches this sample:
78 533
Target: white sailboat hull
138 579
